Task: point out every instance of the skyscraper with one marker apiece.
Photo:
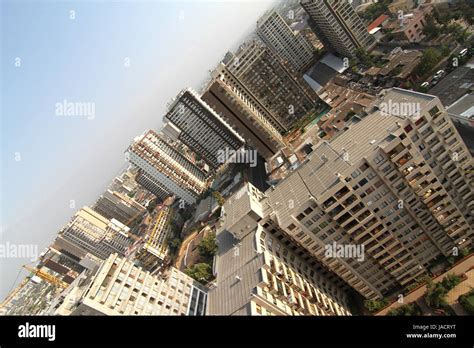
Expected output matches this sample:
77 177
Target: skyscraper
118 206
168 168
396 186
260 271
338 26
90 232
201 129
275 84
244 112
292 47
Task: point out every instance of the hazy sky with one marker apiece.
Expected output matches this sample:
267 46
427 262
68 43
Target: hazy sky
127 59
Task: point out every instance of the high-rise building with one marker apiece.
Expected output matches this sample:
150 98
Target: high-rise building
124 183
338 26
154 186
154 250
292 47
121 288
275 84
201 129
90 232
118 206
260 271
397 182
166 167
244 112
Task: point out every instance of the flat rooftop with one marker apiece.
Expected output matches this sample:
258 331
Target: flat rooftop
455 85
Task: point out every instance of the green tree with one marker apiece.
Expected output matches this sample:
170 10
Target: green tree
202 272
405 310
375 305
364 57
430 58
220 200
375 10
450 281
208 246
431 28
467 302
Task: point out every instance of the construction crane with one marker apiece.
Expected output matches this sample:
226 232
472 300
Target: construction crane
47 277
39 273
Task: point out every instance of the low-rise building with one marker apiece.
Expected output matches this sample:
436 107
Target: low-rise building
121 288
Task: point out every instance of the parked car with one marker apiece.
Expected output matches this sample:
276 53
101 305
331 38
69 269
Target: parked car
463 52
439 74
425 85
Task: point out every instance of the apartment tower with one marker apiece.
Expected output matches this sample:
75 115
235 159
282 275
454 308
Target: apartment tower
260 271
274 83
244 112
397 182
338 26
166 167
291 47
201 128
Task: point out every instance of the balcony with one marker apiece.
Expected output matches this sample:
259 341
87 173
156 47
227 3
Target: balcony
349 201
403 160
329 202
342 192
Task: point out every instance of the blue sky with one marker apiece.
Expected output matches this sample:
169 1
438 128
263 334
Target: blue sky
169 45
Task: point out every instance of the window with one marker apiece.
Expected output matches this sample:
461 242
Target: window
355 174
434 111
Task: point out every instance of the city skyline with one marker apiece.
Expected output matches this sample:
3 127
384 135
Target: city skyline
144 108
320 165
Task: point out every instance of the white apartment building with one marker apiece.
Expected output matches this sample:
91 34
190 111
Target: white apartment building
168 167
120 288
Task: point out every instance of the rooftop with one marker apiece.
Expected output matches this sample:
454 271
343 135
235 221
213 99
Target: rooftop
457 84
377 22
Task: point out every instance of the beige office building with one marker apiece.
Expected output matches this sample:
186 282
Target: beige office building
397 182
338 26
274 83
236 104
116 205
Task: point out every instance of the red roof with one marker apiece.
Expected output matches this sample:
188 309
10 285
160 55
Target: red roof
377 22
